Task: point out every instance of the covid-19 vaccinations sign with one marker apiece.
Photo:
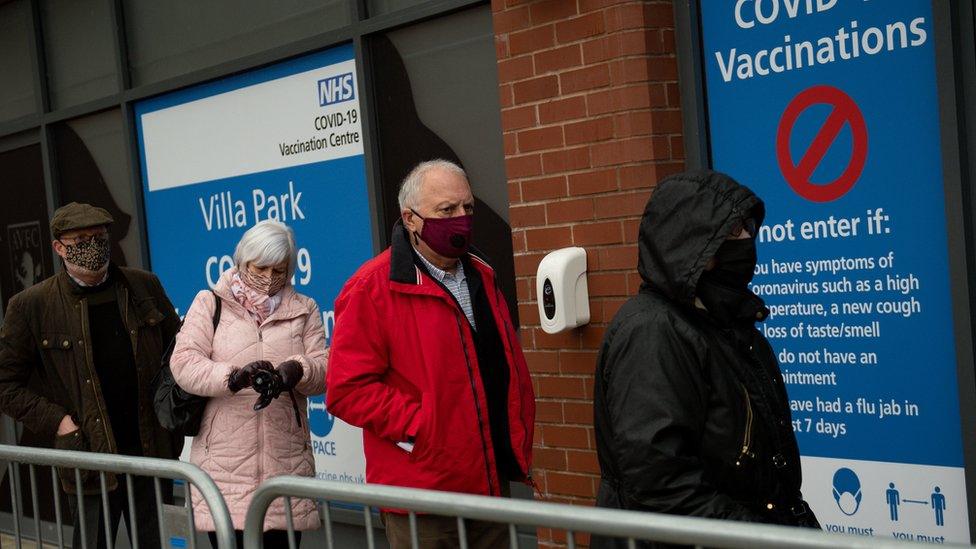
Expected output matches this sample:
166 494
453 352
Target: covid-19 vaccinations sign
828 109
286 143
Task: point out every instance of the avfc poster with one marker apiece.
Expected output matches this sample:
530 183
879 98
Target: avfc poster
27 248
284 142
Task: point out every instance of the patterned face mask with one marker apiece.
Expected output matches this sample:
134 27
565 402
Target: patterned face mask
90 254
267 285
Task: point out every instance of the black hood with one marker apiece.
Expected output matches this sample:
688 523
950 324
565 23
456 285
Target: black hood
687 218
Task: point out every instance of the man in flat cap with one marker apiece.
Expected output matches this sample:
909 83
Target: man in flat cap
77 353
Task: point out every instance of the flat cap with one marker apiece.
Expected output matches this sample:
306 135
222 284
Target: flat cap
77 215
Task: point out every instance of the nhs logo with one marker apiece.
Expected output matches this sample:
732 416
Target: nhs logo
336 89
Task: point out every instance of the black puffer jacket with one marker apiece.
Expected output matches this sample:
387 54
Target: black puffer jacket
691 417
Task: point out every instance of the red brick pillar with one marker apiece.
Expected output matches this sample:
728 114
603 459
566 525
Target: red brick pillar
591 121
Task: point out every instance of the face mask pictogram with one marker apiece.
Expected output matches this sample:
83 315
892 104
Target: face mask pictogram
847 491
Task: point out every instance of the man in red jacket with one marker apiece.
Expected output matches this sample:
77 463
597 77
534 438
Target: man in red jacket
425 359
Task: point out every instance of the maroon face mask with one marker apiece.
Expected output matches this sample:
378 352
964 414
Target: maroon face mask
447 236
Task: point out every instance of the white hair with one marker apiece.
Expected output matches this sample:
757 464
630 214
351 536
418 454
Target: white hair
410 187
267 243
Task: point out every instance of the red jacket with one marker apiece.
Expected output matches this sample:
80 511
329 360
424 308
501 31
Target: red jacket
403 364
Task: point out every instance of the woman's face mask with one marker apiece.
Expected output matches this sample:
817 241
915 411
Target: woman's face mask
91 254
267 284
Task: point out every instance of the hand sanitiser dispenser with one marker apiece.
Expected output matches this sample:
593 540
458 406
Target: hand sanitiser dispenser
561 290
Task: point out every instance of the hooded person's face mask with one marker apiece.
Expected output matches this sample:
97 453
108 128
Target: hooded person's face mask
724 289
735 262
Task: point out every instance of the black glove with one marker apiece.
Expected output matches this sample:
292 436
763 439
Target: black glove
240 378
291 372
267 383
270 384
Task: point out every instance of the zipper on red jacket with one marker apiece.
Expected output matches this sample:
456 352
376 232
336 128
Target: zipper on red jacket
474 393
511 351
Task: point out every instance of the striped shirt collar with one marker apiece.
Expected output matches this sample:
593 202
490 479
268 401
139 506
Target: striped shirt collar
439 273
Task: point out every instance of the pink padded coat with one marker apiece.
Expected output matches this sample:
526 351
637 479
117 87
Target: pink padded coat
238 447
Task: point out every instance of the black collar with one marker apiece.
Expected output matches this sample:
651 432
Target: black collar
402 267
404 263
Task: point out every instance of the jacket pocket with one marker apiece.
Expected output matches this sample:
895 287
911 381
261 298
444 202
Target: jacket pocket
422 442
72 441
64 369
147 313
150 327
56 341
57 347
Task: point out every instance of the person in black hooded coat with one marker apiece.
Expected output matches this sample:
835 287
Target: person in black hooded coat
690 409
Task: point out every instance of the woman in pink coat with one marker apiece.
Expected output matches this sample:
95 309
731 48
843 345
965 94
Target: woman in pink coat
266 331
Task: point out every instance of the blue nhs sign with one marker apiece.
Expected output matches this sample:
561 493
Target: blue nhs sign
336 89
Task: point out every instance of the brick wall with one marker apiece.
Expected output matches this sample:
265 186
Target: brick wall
591 122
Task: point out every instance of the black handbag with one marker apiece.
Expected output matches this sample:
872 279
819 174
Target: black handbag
176 409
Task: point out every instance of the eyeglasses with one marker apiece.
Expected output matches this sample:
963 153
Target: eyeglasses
82 238
747 223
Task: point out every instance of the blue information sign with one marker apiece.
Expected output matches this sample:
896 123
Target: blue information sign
828 109
284 142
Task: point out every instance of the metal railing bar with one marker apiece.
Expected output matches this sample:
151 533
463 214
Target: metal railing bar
35 505
513 536
56 485
290 523
80 523
414 534
462 533
159 513
368 520
607 522
327 524
107 519
138 466
20 499
133 527
14 500
188 502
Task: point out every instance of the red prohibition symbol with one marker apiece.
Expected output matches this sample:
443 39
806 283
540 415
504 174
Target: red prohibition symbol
845 112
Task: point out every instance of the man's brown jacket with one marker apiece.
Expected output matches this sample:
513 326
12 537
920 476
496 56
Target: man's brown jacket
47 372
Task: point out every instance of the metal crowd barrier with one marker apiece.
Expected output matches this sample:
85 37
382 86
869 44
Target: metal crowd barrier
121 465
633 526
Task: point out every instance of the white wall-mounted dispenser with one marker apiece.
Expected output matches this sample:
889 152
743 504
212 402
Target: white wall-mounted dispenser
561 290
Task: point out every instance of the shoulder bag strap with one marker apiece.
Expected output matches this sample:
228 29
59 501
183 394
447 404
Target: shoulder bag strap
216 314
